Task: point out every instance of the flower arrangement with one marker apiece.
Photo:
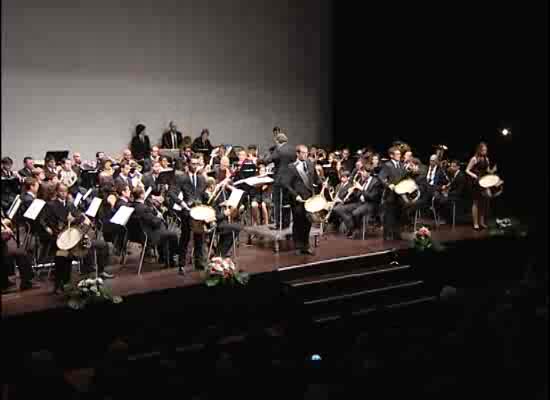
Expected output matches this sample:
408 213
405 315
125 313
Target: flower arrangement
89 291
223 271
423 239
506 226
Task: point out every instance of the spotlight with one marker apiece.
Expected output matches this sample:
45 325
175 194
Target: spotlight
506 132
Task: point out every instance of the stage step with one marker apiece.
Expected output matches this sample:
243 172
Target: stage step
342 265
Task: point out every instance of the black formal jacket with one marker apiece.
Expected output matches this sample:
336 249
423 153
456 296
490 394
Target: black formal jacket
190 193
199 147
150 222
296 185
149 181
390 175
140 149
55 215
25 172
282 157
458 185
26 201
373 194
440 178
166 140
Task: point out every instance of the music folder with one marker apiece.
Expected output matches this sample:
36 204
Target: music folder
77 199
122 216
148 192
94 207
34 209
234 198
87 194
14 207
166 177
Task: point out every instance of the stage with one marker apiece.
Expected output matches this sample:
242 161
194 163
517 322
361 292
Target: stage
256 259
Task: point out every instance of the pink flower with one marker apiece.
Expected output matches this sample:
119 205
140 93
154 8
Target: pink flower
424 232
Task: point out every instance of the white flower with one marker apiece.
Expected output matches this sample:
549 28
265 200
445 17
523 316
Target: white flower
218 267
100 281
98 294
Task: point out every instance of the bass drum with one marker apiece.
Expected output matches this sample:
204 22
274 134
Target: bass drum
409 188
69 238
491 185
202 217
317 207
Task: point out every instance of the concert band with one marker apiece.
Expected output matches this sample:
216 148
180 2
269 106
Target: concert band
180 193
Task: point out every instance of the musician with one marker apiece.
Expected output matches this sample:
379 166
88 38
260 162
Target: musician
150 179
262 198
391 173
347 162
57 213
107 172
172 139
312 156
454 191
202 144
226 227
223 170
153 158
113 232
30 193
38 174
341 190
10 183
140 145
479 166
220 154
376 165
77 164
67 176
99 157
359 164
417 172
28 165
165 163
124 175
155 228
300 183
51 165
407 157
11 257
436 177
281 157
362 202
192 186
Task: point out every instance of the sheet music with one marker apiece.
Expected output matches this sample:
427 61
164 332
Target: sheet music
94 207
77 200
14 207
148 192
122 216
255 180
34 209
87 194
235 198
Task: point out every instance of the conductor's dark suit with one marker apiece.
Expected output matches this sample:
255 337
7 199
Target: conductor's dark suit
302 180
282 156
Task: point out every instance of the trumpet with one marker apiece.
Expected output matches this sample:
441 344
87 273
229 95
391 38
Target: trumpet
338 156
321 155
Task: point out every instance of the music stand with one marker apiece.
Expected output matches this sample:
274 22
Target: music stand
58 155
89 178
167 177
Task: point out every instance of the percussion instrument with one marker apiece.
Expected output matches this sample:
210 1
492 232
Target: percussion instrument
492 185
202 218
74 240
316 206
408 190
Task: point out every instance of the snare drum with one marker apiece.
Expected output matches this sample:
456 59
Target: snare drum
408 190
491 185
201 218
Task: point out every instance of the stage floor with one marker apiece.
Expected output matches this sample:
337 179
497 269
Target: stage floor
255 259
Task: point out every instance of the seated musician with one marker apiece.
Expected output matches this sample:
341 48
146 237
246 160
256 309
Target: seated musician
417 172
153 158
68 177
15 256
193 189
124 176
341 191
28 165
38 174
222 171
77 164
107 172
219 155
261 200
10 184
227 226
150 179
165 163
362 202
246 168
57 213
51 165
454 191
435 177
202 144
210 186
155 228
111 204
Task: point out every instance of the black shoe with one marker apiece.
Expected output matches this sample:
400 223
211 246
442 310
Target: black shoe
309 251
299 252
181 271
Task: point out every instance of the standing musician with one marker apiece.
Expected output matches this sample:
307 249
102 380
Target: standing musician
300 183
57 213
478 167
155 228
362 202
283 154
172 139
193 188
9 256
28 165
158 190
140 145
391 173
